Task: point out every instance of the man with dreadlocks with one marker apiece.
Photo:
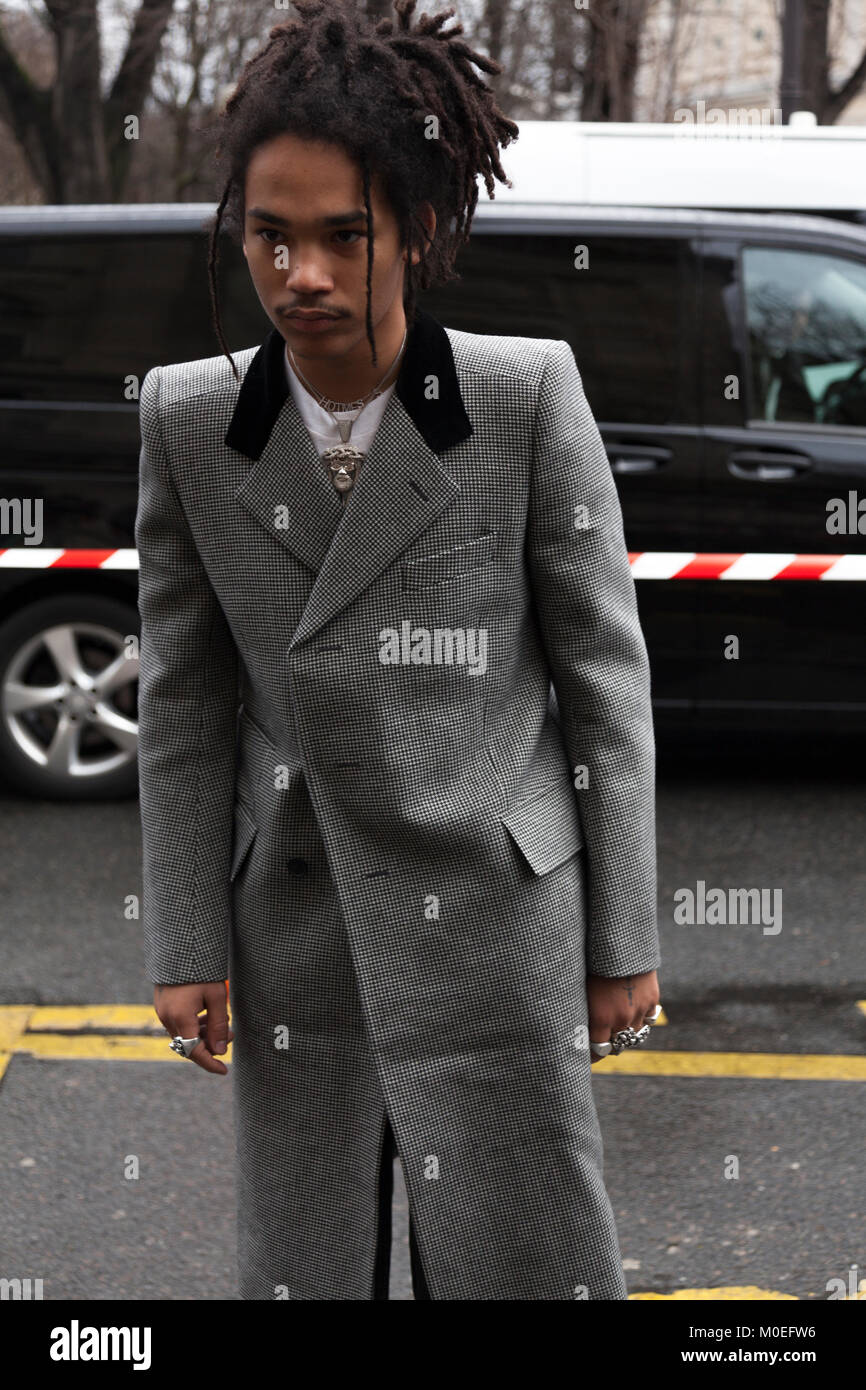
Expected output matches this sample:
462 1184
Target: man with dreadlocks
396 747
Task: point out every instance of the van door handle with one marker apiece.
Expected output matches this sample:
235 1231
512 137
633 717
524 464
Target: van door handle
636 458
767 466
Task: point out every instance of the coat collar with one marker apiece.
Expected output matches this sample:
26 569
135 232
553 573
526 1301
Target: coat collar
442 422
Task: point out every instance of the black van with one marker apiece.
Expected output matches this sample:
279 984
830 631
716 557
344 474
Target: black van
723 355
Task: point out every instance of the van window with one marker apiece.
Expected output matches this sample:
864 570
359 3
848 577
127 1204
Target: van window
628 316
806 319
83 312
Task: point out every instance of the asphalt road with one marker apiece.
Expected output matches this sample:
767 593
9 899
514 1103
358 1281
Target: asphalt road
789 1221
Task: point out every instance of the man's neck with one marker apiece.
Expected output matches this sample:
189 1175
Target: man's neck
343 379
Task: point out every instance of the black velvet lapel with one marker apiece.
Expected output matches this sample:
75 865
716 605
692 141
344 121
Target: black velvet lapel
442 422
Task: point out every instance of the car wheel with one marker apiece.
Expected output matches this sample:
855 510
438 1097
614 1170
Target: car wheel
68 698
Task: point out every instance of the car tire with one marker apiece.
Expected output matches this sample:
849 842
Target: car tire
62 737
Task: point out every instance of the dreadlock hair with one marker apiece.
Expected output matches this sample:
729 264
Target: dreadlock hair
371 90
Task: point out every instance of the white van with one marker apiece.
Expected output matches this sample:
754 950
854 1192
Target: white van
742 160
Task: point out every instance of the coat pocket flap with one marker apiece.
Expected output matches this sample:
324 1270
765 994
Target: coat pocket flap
547 829
422 571
244 834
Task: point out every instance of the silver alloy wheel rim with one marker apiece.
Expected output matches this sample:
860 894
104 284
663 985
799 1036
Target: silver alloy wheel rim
83 701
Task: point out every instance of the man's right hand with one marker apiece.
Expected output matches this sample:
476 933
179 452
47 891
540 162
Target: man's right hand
177 1008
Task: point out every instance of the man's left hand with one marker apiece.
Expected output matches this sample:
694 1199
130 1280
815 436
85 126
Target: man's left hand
617 1003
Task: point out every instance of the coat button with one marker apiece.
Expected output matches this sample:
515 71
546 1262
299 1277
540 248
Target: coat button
297 866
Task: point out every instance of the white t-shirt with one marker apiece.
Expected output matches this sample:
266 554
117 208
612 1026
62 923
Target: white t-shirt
321 427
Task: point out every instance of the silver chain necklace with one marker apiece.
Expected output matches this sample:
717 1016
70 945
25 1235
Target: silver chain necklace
343 460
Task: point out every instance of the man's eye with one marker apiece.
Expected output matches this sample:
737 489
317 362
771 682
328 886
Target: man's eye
346 231
268 231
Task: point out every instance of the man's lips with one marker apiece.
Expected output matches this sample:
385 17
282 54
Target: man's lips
310 324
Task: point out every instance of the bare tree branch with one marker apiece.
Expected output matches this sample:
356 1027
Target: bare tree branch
26 109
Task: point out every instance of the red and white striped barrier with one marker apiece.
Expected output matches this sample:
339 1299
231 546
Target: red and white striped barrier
41 557
671 564
645 564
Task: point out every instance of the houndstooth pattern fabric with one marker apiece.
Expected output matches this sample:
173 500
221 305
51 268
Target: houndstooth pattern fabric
405 864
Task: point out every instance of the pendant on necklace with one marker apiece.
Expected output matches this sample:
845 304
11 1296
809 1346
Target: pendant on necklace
342 461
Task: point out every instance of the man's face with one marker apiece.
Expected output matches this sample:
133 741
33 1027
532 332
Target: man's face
305 240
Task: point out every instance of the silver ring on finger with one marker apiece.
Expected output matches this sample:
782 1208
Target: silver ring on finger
628 1037
184 1046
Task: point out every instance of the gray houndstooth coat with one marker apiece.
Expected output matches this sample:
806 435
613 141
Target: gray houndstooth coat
359 801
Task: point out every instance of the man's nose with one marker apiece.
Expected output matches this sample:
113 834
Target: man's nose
307 273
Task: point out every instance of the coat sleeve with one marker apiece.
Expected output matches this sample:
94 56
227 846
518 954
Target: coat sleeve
187 715
587 611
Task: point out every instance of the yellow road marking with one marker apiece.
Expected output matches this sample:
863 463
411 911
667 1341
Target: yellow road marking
778 1066
746 1292
76 1017
13 1020
132 1032
135 1017
111 1047
755 1066
64 1032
